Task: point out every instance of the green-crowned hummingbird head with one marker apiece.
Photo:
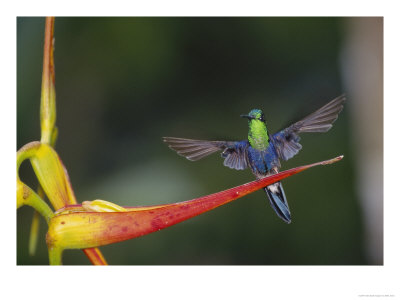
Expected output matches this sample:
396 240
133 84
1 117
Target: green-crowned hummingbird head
255 114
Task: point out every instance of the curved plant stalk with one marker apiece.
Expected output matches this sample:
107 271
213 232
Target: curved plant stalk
99 222
26 196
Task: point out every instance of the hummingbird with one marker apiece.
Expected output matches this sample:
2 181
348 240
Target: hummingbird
262 152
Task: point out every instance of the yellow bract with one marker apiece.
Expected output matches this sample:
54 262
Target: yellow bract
101 206
52 176
50 172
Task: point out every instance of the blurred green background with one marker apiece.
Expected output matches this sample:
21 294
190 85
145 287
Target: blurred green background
123 83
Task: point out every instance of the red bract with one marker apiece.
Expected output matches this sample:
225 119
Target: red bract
72 228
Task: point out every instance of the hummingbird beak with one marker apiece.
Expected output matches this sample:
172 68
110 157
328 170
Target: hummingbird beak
246 116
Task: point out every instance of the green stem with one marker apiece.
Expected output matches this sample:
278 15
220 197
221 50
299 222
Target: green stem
55 255
26 196
33 237
26 152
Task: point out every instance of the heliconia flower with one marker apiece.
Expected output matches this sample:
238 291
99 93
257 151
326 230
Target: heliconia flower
97 223
49 134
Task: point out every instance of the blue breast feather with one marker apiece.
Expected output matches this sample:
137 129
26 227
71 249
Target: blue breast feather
261 162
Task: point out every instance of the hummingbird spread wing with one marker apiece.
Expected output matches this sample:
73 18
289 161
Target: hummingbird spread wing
286 141
235 153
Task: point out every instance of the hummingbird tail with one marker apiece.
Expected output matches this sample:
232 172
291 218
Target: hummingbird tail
278 201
